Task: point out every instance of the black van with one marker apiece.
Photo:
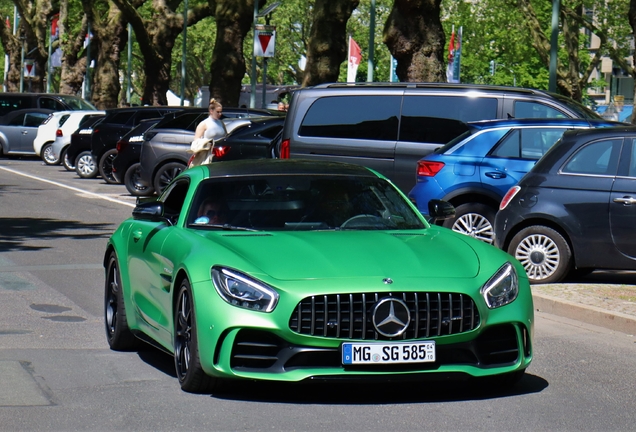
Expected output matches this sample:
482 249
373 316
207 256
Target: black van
57 102
390 126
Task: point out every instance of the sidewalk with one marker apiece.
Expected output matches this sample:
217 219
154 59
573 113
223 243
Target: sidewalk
606 299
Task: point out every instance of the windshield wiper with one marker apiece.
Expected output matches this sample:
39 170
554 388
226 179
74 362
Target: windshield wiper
225 227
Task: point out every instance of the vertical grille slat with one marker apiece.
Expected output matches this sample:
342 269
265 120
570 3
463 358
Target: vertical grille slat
349 316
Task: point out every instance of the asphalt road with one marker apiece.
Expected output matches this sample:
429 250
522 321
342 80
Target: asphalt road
57 373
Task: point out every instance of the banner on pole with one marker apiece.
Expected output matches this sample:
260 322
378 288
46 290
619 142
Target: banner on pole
264 40
355 55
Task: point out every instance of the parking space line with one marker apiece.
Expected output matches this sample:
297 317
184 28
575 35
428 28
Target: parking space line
92 194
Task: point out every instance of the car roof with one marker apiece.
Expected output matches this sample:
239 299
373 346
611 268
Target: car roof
430 85
250 167
625 130
492 124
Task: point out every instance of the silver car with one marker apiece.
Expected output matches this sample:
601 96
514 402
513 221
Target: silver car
18 130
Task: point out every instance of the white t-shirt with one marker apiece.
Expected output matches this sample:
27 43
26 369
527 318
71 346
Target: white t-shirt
215 129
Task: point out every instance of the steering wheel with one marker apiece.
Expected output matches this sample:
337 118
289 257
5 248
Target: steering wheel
361 219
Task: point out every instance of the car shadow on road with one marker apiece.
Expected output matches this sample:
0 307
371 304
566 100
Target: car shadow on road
377 393
335 392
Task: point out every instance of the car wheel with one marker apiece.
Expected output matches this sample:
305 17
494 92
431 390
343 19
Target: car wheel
131 181
544 253
66 162
47 155
475 220
186 350
166 174
85 165
118 334
106 166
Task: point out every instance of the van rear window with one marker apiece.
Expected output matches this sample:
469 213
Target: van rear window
354 117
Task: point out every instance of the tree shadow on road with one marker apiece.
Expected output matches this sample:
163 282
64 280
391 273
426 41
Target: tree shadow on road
17 234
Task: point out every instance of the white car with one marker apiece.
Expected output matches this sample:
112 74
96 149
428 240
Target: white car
59 124
75 121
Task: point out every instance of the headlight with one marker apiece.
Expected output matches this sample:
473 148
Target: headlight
502 288
241 291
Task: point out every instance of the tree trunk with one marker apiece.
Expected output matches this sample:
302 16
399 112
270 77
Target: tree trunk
414 35
233 20
632 22
73 64
327 41
109 38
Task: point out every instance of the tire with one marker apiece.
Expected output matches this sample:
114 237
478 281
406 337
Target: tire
47 155
118 334
132 184
85 165
544 253
475 220
187 362
66 162
106 166
166 174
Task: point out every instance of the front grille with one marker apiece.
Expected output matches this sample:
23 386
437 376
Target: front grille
349 316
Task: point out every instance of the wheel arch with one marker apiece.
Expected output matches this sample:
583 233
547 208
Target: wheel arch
536 221
164 162
464 196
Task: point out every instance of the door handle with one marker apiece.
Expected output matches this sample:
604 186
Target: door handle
495 175
625 200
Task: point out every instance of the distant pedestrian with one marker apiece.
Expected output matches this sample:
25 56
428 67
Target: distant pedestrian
208 131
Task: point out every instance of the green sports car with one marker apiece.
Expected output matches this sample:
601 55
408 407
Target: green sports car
290 270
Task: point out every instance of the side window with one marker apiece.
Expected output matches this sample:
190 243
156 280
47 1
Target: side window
120 118
528 143
357 117
173 199
632 164
146 114
526 109
17 120
597 158
50 103
34 119
13 103
428 118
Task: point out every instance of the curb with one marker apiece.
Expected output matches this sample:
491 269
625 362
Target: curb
589 314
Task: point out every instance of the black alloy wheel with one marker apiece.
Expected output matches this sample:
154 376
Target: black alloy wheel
186 351
166 174
66 162
106 166
118 334
131 181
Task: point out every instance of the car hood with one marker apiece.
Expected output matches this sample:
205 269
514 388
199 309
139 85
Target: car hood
337 254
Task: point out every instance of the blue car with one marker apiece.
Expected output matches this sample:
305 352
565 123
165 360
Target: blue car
476 169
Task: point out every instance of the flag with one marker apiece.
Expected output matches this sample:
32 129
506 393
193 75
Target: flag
454 56
451 57
355 56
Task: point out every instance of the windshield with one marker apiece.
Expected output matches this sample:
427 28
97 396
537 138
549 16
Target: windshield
76 103
301 203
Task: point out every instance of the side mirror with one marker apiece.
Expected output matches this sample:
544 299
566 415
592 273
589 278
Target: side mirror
439 210
149 211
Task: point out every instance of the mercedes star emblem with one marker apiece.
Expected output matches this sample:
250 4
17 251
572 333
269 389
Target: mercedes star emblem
391 317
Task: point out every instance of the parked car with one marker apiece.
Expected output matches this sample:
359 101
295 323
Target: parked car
319 270
575 210
19 128
475 170
390 126
78 156
164 153
126 166
58 127
10 102
116 123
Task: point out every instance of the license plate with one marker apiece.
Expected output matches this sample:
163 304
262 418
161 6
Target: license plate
388 353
